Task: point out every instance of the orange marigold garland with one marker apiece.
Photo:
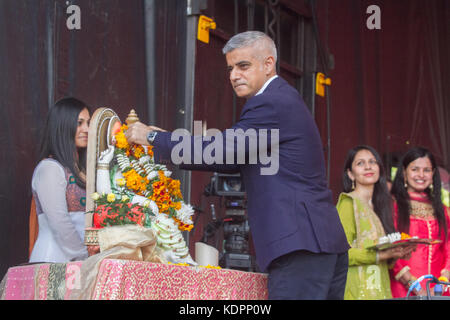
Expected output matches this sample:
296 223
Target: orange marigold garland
145 178
121 140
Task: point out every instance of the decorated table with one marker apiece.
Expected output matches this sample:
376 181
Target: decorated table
133 280
134 219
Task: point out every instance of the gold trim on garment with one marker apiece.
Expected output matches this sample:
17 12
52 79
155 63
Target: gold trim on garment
422 210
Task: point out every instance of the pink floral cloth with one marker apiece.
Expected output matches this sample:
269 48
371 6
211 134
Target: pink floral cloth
47 281
127 279
20 283
134 280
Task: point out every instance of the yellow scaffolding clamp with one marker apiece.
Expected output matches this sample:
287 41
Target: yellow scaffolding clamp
204 24
321 82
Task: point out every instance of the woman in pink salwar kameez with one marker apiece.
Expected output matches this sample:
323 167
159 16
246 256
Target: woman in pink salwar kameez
418 211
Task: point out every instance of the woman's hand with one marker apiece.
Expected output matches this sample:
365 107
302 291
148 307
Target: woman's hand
407 279
407 250
400 252
445 273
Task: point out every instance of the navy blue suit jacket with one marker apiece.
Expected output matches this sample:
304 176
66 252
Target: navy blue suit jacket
292 209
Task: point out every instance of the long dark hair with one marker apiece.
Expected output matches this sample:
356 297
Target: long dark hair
58 140
381 199
401 193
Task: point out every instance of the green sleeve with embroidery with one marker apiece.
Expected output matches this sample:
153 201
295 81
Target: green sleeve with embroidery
356 256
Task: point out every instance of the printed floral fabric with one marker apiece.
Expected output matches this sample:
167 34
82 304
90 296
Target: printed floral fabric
56 281
47 281
76 196
133 280
120 279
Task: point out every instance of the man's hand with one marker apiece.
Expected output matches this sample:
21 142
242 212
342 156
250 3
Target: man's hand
137 133
93 250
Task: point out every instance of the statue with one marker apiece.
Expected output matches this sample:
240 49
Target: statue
128 176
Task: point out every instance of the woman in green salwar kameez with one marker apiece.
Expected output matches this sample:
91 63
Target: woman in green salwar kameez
365 212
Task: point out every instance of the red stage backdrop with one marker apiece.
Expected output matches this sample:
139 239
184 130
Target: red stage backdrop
390 87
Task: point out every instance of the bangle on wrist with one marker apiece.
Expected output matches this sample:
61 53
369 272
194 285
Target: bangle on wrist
410 282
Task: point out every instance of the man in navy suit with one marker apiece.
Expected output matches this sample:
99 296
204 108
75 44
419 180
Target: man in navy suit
297 234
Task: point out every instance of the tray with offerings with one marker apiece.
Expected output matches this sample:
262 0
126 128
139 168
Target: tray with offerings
397 239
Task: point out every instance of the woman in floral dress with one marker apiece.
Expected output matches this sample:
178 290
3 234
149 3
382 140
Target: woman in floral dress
58 184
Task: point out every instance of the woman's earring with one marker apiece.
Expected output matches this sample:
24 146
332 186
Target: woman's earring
406 185
353 184
431 187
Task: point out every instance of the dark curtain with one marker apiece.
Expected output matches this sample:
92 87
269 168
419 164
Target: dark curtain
390 87
41 60
105 64
23 105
